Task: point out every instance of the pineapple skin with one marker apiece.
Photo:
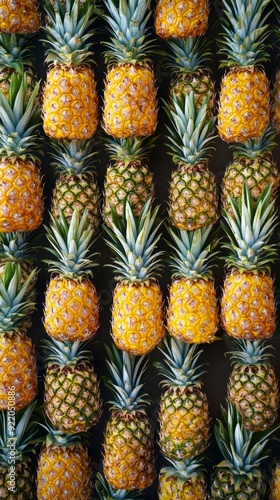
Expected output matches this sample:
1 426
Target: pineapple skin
224 485
21 196
274 488
248 306
71 309
24 488
72 398
244 105
275 98
137 316
20 17
18 362
175 19
130 101
128 461
192 311
181 489
70 103
201 83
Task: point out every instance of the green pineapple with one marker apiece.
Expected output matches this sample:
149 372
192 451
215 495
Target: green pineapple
184 421
193 199
72 398
128 461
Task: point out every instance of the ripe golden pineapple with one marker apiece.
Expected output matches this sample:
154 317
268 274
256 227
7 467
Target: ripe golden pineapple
192 311
16 450
253 384
183 480
76 184
193 198
244 102
72 399
248 308
274 484
181 19
70 100
275 91
130 97
254 165
18 374
64 468
22 17
71 302
128 460
21 190
128 175
137 323
184 421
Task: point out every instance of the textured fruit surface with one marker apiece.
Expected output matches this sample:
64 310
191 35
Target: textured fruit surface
19 16
181 18
22 487
177 488
225 485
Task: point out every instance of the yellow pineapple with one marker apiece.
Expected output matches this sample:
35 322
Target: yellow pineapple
181 18
192 312
18 374
21 190
19 16
274 486
248 308
70 100
183 480
128 460
130 97
184 420
244 102
137 313
275 91
71 301
64 468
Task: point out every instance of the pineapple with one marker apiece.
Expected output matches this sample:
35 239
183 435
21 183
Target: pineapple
253 385
22 17
239 475
21 191
193 199
275 92
252 163
248 308
128 461
70 99
76 184
188 61
183 480
17 475
20 247
72 397
130 97
71 309
244 102
106 492
18 371
192 313
137 323
128 175
274 486
64 468
184 422
177 19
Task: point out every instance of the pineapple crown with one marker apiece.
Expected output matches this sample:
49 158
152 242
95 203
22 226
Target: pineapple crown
127 23
65 353
126 380
256 148
133 241
250 230
242 449
179 365
19 246
248 352
189 134
20 119
245 34
71 243
68 31
56 438
129 149
184 469
15 302
22 437
73 157
15 52
186 55
192 252
106 492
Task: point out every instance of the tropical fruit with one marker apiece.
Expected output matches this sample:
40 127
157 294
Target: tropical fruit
183 480
175 19
20 17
